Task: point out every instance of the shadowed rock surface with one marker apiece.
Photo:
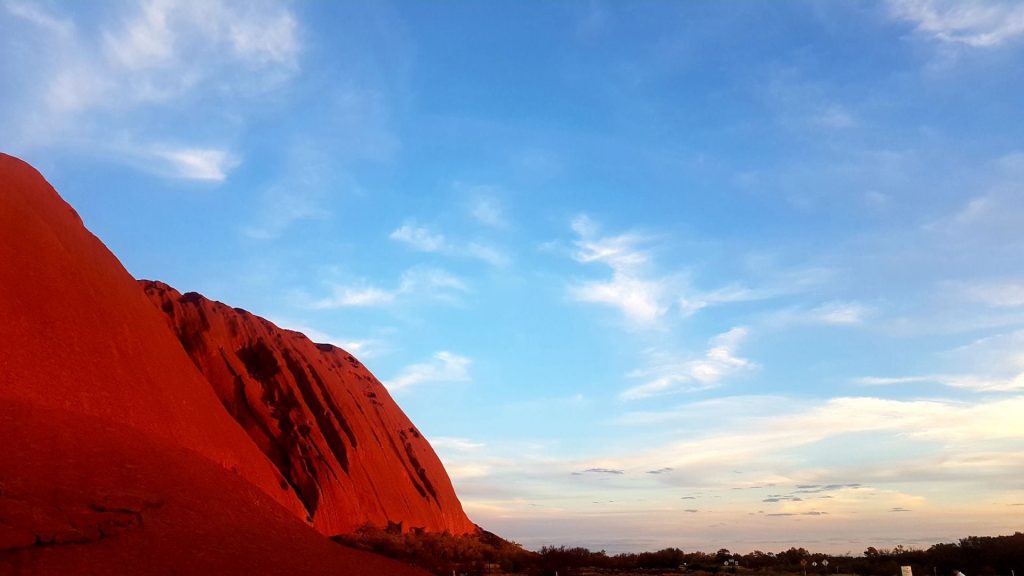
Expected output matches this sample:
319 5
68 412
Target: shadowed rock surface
333 431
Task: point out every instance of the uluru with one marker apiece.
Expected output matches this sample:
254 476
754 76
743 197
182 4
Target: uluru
512 288
147 431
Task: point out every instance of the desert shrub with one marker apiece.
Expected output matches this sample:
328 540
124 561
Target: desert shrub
442 554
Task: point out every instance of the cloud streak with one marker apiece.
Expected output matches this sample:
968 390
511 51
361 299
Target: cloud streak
199 163
974 24
432 283
107 90
642 299
667 376
422 239
970 382
443 367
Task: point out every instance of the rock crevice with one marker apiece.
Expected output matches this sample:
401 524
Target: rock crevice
341 443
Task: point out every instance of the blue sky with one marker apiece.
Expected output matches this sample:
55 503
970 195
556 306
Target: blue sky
691 274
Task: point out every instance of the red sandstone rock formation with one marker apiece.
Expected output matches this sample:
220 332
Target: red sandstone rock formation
116 454
77 333
330 427
87 496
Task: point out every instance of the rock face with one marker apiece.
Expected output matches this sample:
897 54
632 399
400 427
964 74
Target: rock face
117 455
87 496
331 429
77 333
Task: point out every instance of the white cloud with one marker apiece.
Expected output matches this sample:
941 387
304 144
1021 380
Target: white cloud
985 384
642 299
753 462
433 283
666 374
998 294
488 212
199 163
895 380
164 50
994 364
443 367
644 296
839 313
112 89
361 348
972 382
618 252
166 32
486 253
691 304
266 39
427 280
418 237
349 297
145 41
423 239
442 443
38 16
283 205
768 438
971 23
836 313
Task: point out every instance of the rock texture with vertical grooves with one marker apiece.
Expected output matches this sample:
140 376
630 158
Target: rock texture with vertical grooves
333 431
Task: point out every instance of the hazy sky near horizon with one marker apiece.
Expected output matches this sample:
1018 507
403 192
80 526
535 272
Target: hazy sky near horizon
646 274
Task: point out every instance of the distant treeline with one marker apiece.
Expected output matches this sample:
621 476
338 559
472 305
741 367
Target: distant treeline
487 553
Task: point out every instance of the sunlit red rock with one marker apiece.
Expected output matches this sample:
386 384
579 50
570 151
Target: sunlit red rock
77 333
87 496
116 454
326 422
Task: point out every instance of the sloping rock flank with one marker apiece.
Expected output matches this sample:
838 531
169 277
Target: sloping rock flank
77 333
116 455
86 496
329 426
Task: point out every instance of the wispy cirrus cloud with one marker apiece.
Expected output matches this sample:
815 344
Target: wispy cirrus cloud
693 303
834 313
39 16
646 295
789 442
994 293
665 374
973 23
443 367
782 445
432 283
199 163
418 237
443 443
114 89
281 208
423 239
641 297
487 211
994 364
164 49
970 382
